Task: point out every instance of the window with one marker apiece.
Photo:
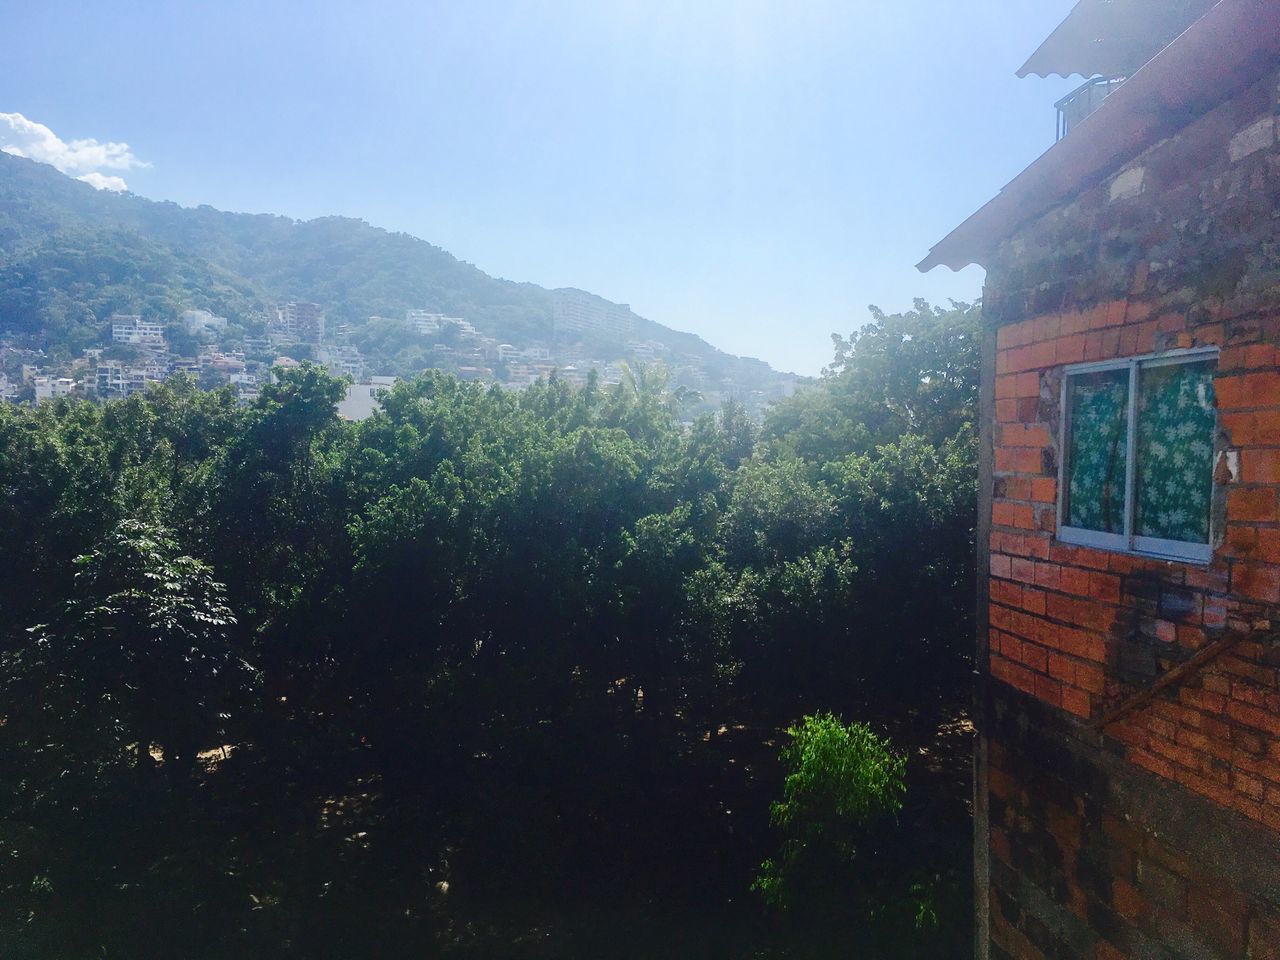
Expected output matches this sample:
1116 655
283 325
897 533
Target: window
1137 455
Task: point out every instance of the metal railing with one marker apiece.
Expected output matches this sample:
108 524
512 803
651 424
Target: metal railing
1083 100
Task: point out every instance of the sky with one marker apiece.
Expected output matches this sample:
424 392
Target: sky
754 172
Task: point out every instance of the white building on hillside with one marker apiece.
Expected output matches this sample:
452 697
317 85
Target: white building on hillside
430 324
361 401
127 328
298 322
48 388
115 379
197 322
576 311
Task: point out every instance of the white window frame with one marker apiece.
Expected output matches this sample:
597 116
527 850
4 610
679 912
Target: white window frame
1127 542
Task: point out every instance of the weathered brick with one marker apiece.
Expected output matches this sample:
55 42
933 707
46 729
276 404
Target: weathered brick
1116 310
1104 586
1033 601
1044 489
1028 409
1048 690
1220 917
1256 581
1204 786
1260 356
1013 515
1023 569
1149 761
1209 335
1019 460
1048 575
1024 435
1161 886
1046 327
1242 540
1091 677
1012 488
1254 717
1267 544
1252 503
1077 701
1260 428
1042 355
1250 786
1081 643
1070 349
1005 592
1061 668
1203 700
1027 385
1076 581
1087 557
1129 903
1262 389
1229 392
1035 657
1240 668
1190 636
1014 674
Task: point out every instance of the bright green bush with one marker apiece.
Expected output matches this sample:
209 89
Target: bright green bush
842 781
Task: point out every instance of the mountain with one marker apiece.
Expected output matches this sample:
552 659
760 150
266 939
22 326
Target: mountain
70 256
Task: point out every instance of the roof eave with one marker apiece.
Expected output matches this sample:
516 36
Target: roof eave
1220 54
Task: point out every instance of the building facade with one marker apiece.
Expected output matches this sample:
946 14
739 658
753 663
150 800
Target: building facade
298 322
202 323
1127 790
133 329
578 312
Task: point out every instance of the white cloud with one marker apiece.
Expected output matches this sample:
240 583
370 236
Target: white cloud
85 158
101 181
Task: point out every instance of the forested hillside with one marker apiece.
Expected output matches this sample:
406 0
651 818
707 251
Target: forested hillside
70 256
486 675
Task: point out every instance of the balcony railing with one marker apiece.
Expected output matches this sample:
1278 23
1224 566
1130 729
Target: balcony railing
1083 100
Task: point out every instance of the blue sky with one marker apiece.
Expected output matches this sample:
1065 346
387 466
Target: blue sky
755 172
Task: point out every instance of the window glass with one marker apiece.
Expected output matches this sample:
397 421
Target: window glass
1175 451
1098 410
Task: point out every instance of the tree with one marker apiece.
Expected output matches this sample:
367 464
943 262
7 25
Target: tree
913 372
139 657
842 781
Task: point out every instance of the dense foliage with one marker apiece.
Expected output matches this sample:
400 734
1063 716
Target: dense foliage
276 684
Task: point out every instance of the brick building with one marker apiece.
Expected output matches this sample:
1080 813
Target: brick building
1127 794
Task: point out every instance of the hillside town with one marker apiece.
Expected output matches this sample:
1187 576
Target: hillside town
137 350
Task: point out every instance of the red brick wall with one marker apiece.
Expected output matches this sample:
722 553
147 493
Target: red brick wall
1089 861
1063 616
1137 841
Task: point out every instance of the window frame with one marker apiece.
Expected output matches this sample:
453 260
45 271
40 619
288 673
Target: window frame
1128 541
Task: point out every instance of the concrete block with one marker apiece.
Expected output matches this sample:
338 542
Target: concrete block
1257 136
1128 184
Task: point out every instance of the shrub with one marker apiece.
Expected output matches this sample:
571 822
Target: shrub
842 781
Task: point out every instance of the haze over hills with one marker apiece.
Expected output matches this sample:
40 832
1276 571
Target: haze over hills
72 256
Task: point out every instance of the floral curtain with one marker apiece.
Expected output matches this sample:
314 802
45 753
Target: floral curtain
1176 424
1096 455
